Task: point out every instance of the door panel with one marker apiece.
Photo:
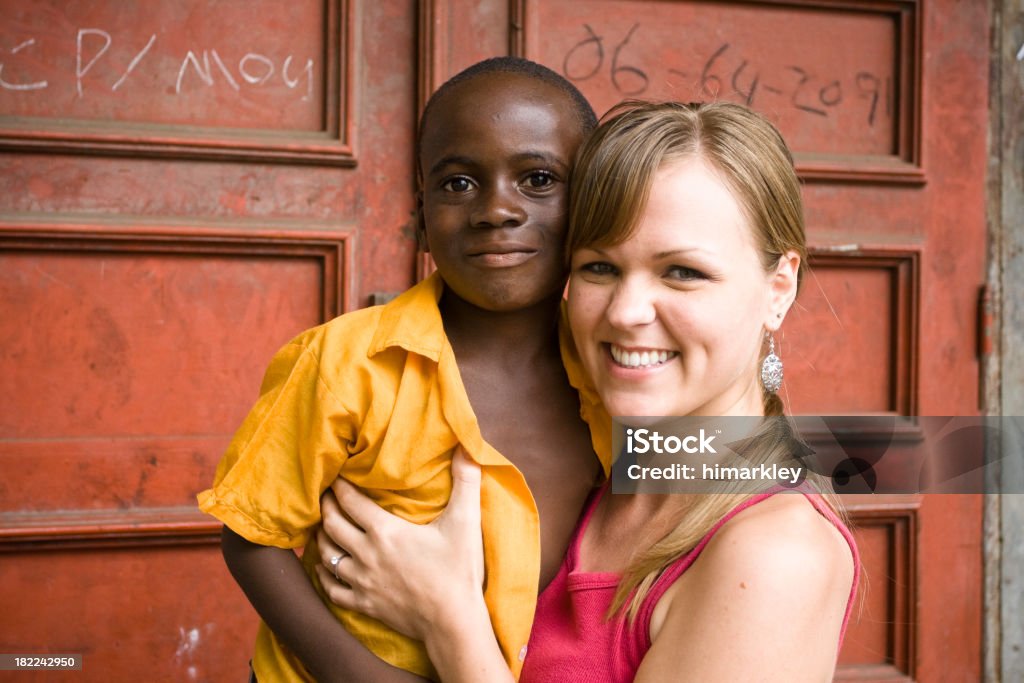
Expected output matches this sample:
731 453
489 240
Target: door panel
103 76
183 619
184 186
884 105
847 98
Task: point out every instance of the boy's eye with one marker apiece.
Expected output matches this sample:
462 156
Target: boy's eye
457 184
539 180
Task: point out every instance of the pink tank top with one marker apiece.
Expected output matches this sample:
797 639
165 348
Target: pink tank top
573 642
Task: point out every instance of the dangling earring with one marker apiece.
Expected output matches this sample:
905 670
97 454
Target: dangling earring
771 368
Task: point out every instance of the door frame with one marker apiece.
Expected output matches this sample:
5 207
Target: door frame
1002 338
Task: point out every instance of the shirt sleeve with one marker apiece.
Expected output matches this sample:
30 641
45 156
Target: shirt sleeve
286 453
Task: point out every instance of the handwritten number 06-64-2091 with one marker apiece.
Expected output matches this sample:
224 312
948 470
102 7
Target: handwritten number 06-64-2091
585 60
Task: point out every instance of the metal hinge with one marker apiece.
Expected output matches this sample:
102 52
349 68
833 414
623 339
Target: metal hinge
986 323
986 341
378 298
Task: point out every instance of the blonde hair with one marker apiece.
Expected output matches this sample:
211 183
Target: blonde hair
609 189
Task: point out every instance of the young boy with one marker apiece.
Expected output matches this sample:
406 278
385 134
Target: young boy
473 356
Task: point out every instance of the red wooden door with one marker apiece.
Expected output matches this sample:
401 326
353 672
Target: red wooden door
885 106
183 187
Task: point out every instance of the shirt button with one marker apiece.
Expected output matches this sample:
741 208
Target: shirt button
522 653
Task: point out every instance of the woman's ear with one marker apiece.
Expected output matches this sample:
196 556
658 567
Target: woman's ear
782 289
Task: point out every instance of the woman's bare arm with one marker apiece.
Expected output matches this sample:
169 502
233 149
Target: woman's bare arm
406 574
277 586
764 601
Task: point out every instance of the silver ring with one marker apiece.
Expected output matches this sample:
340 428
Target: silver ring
335 560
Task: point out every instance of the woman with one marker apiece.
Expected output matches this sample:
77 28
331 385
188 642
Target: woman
688 245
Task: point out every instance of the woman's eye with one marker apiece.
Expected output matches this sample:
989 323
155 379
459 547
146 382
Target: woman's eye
457 184
539 180
598 268
684 273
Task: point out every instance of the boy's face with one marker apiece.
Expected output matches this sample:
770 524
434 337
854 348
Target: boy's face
495 158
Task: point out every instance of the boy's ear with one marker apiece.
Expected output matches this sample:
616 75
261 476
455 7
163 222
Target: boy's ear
421 226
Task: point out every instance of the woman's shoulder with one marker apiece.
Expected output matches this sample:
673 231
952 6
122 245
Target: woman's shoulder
780 556
768 593
783 540
770 554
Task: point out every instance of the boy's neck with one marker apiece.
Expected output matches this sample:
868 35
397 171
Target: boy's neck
524 333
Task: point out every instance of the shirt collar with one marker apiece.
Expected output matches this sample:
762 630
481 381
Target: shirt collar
412 321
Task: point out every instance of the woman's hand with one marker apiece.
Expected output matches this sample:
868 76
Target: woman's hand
401 573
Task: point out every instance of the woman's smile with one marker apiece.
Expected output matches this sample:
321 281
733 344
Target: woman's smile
640 358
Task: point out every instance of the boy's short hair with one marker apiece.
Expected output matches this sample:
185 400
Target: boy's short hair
585 115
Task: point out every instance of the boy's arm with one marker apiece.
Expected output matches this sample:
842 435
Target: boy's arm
277 586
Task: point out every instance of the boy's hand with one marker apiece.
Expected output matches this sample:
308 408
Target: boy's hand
401 573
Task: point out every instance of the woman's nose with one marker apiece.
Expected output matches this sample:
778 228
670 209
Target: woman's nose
499 206
632 304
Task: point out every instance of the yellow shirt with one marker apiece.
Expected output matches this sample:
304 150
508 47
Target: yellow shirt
375 397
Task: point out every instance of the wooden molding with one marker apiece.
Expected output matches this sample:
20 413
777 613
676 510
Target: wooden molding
898 519
904 266
333 249
433 39
333 145
904 166
66 530
114 527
